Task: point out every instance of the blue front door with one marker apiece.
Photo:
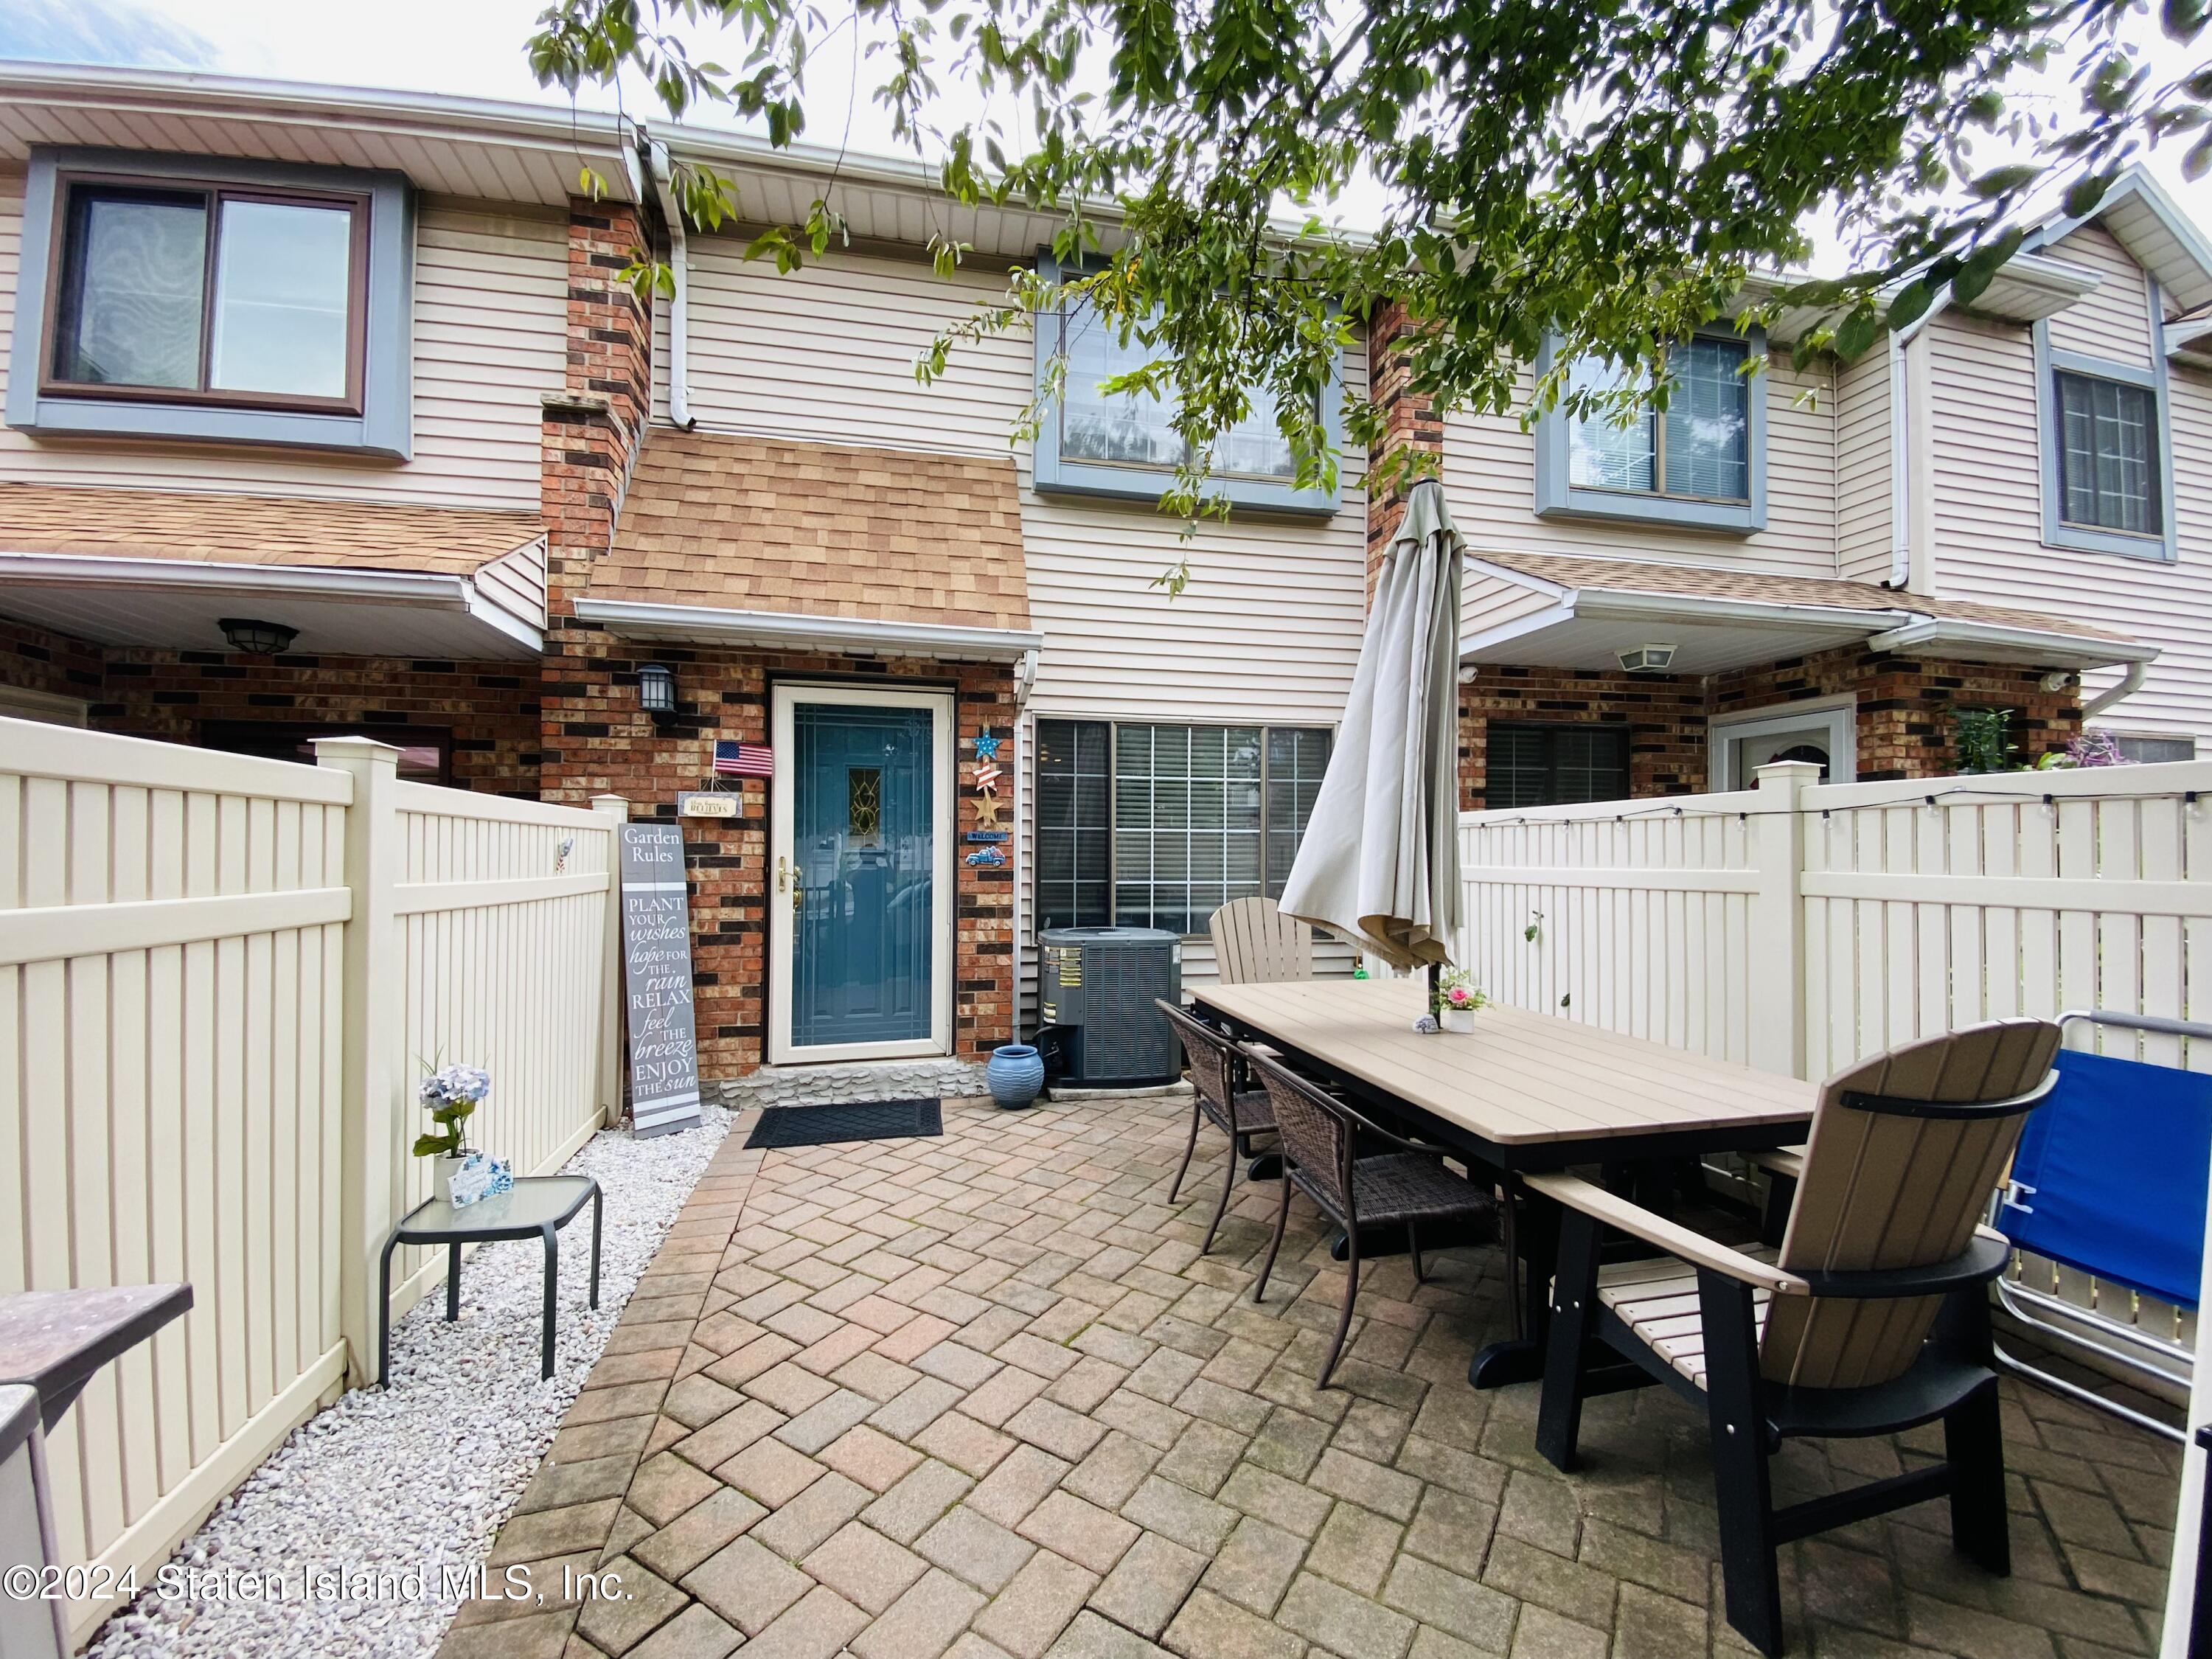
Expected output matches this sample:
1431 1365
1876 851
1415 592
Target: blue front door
864 863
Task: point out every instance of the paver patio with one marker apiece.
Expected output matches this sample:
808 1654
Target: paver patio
980 1395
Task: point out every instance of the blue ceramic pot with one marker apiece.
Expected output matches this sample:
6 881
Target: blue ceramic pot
1015 1073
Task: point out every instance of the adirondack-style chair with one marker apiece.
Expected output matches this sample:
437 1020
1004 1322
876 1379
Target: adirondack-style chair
1217 1070
1254 942
1835 1334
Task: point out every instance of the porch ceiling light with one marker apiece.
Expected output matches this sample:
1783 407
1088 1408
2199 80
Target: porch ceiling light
656 689
258 639
1647 658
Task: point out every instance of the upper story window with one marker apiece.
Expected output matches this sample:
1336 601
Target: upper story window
1093 442
1132 429
216 294
2107 454
197 299
1699 447
1699 463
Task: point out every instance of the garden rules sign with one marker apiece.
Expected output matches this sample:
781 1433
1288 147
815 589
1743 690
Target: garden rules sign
664 1039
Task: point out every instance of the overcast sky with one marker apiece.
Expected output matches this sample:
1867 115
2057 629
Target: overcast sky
475 47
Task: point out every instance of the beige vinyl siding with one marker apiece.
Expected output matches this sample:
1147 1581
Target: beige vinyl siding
2113 322
1490 476
1988 526
826 354
1863 502
1488 602
490 337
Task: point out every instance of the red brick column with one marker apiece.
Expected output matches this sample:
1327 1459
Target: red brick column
1410 423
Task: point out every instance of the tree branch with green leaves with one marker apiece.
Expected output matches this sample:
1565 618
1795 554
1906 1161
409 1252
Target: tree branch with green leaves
1605 177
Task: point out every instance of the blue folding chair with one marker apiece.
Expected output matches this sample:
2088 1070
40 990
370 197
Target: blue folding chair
2110 1180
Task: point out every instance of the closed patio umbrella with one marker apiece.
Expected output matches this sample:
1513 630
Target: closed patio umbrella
1379 865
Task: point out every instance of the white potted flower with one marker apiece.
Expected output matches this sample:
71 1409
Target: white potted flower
450 1094
1457 998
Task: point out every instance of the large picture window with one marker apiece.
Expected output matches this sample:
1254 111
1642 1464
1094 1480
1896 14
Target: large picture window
209 294
1158 826
1554 763
2108 450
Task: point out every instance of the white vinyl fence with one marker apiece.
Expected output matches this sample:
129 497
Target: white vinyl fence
218 975
1798 926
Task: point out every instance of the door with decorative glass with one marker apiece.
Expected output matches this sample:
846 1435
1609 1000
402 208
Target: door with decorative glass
860 878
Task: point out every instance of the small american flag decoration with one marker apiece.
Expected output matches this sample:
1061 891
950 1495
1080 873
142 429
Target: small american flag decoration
733 759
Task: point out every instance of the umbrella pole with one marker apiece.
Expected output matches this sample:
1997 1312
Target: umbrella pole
1435 969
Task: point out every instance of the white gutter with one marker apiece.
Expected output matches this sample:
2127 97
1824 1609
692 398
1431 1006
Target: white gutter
2037 645
779 629
2131 682
679 306
1901 432
420 589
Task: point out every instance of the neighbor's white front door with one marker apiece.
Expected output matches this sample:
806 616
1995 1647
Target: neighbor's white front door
1825 732
860 874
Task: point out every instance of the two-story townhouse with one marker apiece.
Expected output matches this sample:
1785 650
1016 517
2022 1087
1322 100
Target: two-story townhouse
2003 507
330 411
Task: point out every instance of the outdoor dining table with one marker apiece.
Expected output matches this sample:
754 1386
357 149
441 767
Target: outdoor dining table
1522 1093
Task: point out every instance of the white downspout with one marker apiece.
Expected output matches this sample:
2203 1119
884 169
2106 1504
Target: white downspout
679 306
2131 682
1900 433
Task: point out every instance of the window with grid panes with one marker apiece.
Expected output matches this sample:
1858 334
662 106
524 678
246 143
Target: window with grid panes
1554 763
1179 820
1074 828
2108 455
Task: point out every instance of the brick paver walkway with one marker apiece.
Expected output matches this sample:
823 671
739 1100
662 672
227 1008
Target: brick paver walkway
980 1396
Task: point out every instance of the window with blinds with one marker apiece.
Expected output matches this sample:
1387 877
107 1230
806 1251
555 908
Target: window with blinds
1158 826
1554 763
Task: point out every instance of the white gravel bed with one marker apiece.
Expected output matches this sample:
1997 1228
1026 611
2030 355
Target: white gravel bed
417 1479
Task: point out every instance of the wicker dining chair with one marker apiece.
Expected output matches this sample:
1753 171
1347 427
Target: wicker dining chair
1320 1145
1216 1071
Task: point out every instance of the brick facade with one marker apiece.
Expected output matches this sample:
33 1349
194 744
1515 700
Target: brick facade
1665 718
599 741
1904 704
1904 729
33 659
489 707
1409 421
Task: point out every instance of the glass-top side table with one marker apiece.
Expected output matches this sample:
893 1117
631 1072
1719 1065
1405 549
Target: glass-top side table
536 1206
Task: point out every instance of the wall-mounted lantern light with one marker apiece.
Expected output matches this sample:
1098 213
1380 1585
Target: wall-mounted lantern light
259 639
656 691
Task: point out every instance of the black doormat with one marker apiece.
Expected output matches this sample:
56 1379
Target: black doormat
867 1119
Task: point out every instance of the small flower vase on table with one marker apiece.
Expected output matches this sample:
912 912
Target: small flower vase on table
1457 1000
450 1094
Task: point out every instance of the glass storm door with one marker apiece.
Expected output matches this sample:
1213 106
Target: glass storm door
860 886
